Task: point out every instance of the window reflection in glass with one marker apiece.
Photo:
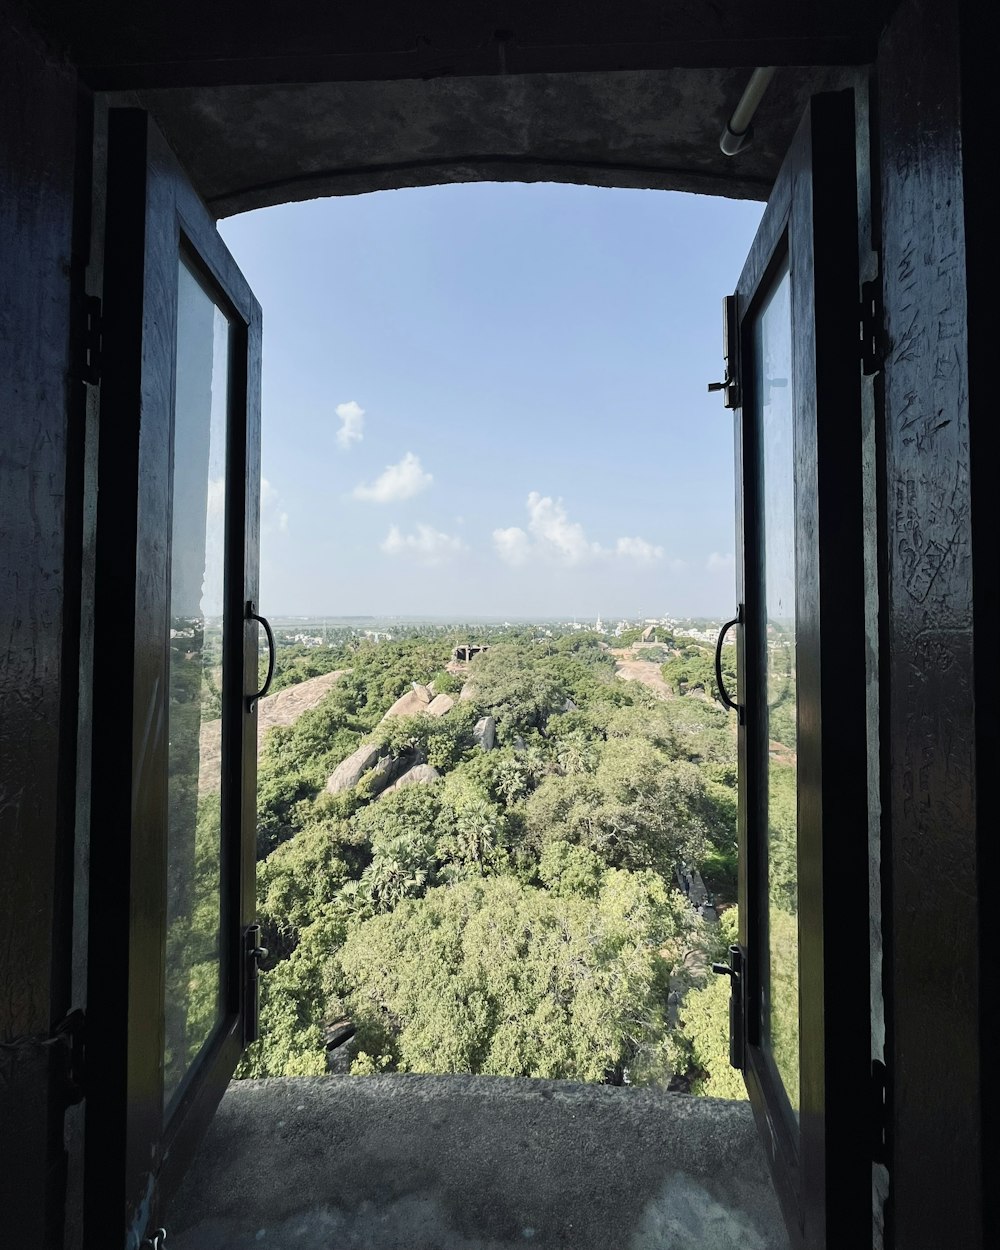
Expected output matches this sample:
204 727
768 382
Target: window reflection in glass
773 372
197 552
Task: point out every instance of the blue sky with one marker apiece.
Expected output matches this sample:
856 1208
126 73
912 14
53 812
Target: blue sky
490 400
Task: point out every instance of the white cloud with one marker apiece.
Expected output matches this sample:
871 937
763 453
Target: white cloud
426 544
639 550
555 533
512 545
551 536
216 497
396 482
272 517
717 563
352 423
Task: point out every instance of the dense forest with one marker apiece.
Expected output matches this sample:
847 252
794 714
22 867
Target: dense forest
516 910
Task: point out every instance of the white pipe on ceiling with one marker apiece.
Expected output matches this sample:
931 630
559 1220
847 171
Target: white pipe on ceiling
738 129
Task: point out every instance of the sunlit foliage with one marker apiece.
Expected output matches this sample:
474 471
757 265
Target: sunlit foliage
518 915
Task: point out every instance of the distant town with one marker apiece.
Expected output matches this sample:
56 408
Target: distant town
320 631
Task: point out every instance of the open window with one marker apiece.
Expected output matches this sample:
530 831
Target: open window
800 972
172 947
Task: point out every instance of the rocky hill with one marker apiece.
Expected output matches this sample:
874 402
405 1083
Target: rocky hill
283 708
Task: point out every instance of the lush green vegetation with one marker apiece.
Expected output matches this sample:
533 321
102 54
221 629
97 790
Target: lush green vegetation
519 915
693 668
194 838
783 892
297 662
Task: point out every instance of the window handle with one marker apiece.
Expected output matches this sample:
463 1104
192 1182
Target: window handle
252 615
723 692
734 970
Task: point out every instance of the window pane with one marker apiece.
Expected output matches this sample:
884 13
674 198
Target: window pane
197 554
773 371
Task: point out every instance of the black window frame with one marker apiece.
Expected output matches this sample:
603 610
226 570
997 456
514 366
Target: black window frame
136 1149
821 1165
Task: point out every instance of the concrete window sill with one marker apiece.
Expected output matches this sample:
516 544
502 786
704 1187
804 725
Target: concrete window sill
474 1163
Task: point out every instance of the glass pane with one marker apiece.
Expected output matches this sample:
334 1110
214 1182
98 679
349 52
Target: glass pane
773 371
197 555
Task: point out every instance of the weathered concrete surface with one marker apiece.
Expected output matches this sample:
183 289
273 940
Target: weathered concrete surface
247 147
474 1163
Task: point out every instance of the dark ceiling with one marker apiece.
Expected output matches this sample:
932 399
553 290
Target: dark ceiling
123 44
248 147
267 101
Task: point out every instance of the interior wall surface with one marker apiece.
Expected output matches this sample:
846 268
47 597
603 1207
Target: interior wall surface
929 718
37 724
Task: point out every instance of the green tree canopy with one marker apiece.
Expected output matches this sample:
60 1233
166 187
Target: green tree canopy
490 976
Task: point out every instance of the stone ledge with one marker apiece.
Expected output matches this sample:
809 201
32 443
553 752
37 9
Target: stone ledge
474 1163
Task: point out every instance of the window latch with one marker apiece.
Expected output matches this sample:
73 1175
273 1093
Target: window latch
253 956
730 384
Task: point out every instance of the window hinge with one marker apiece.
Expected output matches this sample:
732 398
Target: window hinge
879 1112
871 326
64 1047
72 1030
91 344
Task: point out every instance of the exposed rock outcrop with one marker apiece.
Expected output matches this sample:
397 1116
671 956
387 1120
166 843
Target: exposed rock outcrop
419 700
411 703
440 704
349 772
485 733
376 766
283 708
383 774
419 774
